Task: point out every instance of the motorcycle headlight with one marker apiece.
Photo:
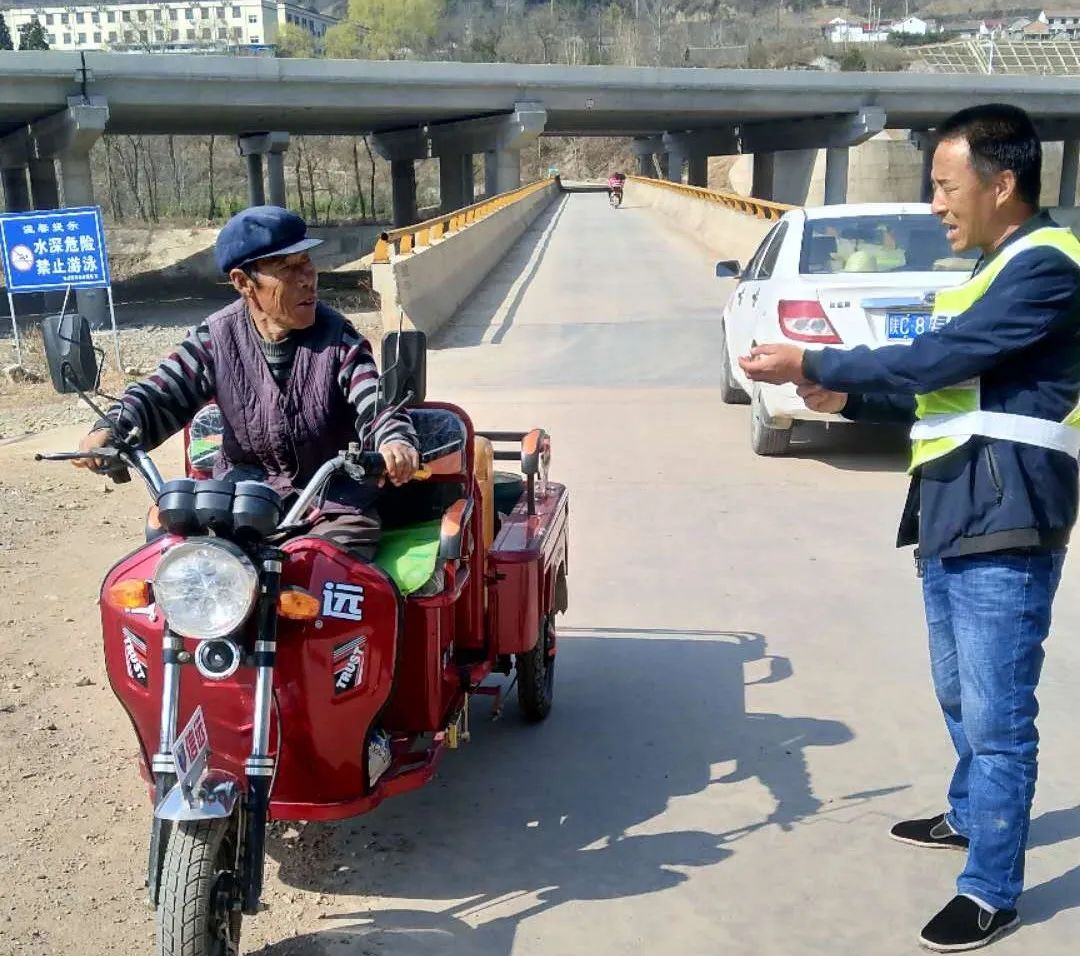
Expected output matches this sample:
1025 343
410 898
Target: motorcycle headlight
205 587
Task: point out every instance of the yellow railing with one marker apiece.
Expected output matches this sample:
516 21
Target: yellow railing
410 238
761 208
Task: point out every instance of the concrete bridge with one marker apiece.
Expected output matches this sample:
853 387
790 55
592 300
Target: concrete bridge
55 106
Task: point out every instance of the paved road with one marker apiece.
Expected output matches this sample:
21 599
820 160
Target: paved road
743 704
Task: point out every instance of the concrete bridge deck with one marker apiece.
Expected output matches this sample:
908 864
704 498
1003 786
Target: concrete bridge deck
172 94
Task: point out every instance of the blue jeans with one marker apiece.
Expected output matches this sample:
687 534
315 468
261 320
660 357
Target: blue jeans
988 616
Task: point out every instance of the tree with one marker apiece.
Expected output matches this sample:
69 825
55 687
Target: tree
385 29
32 36
758 56
5 35
344 41
294 41
853 61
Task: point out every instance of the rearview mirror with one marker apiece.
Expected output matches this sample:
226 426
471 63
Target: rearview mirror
404 364
69 349
728 269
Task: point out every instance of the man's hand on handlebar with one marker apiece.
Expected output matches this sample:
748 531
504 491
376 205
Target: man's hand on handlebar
96 439
402 461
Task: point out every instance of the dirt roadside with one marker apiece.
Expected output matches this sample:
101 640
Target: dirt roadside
73 810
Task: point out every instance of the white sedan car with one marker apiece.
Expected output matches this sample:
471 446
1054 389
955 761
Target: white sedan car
840 276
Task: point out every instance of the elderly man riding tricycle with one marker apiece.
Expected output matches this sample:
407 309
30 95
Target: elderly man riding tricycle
319 598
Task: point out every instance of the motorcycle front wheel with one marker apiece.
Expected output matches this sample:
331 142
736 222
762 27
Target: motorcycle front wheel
195 915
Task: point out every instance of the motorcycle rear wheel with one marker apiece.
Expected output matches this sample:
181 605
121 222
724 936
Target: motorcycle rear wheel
193 916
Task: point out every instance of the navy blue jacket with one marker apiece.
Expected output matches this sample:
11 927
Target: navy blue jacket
1022 338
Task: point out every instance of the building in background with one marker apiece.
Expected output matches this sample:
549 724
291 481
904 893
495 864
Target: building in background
170 26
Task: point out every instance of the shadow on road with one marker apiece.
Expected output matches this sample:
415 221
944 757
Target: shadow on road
499 296
1054 826
852 447
1043 902
529 817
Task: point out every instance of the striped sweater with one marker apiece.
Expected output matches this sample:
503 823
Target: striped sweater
165 401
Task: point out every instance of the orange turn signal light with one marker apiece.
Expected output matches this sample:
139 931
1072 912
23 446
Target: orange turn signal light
297 605
131 593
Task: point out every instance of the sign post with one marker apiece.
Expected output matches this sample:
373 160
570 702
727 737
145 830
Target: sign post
55 250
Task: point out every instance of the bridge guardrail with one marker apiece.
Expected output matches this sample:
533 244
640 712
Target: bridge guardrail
759 208
406 240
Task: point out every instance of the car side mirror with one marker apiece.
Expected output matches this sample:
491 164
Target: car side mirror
404 363
728 269
69 349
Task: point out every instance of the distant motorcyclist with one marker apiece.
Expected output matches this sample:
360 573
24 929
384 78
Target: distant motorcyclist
615 184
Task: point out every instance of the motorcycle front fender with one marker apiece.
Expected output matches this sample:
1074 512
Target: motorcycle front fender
213 798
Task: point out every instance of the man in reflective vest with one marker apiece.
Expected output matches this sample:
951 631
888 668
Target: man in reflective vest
993 394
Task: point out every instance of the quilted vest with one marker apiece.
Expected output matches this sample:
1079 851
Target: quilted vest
287 433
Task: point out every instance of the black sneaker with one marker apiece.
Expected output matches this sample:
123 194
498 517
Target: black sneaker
964 925
934 833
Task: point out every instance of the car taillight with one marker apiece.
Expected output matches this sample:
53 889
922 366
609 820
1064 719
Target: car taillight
805 321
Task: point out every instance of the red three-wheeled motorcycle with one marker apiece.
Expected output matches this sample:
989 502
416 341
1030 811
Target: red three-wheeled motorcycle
269 675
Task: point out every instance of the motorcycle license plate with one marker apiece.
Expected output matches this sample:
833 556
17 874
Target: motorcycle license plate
905 326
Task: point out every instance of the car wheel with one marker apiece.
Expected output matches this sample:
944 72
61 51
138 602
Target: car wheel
731 392
765 437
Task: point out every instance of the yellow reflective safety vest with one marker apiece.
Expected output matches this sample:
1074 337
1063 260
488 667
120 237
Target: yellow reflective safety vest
952 416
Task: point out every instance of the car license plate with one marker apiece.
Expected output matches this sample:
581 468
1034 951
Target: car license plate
904 326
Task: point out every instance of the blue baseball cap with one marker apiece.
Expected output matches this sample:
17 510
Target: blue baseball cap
258 233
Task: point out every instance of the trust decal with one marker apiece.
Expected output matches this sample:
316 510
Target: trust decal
349 665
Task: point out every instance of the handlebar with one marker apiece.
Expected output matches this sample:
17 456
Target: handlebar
115 468
118 462
358 465
74 455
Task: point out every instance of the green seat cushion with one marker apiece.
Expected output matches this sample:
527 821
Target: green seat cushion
409 554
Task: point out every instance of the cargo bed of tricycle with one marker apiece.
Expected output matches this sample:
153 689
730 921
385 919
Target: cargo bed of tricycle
527 562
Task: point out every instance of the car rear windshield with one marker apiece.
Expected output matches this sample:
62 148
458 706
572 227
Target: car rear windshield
912 242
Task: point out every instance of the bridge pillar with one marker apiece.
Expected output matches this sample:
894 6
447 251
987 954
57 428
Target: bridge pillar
468 184
500 138
254 147
452 181
275 169
1070 159
761 186
17 198
403 148
69 136
256 189
693 150
646 149
17 157
502 171
924 143
490 174
836 175
44 186
16 189
676 159
697 170
16 151
403 186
